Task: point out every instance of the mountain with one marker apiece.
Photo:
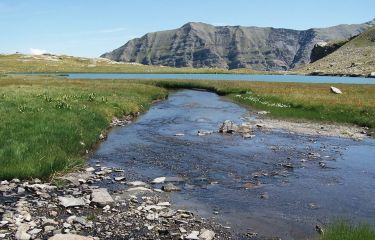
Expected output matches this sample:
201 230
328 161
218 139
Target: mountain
356 57
231 47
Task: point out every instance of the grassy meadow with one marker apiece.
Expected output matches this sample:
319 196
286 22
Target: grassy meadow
47 125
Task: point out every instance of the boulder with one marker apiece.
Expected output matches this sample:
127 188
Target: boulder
335 90
69 237
228 127
372 74
101 197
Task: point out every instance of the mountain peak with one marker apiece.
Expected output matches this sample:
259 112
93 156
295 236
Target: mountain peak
196 25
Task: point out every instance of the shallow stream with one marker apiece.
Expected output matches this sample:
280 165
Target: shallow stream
277 184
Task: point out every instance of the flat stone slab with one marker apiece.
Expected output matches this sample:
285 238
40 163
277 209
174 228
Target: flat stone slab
69 237
137 184
139 189
101 197
71 202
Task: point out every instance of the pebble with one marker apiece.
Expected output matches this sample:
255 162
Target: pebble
159 180
165 204
5 182
193 235
313 206
49 228
20 190
21 233
119 179
136 183
90 169
319 229
322 164
264 195
206 234
169 187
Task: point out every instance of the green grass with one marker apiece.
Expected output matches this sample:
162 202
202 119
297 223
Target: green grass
295 100
345 231
47 125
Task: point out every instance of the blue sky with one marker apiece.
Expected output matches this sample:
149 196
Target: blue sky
92 27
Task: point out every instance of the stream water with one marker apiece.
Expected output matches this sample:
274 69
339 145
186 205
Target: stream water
246 184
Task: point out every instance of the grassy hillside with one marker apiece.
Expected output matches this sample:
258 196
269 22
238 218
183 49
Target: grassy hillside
357 57
63 64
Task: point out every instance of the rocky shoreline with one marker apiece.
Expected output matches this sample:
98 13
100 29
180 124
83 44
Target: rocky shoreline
319 73
314 128
75 206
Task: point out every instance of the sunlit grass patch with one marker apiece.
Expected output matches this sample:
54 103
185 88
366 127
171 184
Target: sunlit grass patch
345 231
48 125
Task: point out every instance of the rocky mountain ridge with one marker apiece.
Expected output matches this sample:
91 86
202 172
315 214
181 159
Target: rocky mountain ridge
231 47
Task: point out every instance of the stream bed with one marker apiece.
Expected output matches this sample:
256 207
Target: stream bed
276 184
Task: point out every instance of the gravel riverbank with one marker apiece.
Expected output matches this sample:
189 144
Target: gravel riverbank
75 205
